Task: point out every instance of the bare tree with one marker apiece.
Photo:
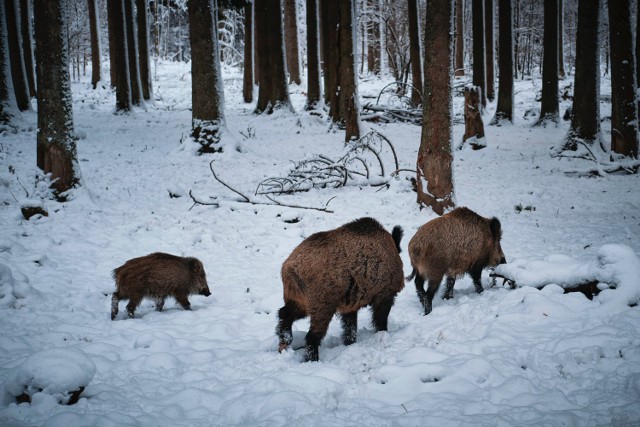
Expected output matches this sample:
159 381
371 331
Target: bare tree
489 12
459 67
348 87
434 165
247 79
313 55
479 73
18 72
549 104
504 109
96 68
27 45
132 50
142 17
56 151
207 95
416 58
329 45
7 97
624 105
291 40
561 71
273 91
119 55
373 36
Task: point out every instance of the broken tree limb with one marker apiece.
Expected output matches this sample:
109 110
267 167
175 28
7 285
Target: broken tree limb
587 287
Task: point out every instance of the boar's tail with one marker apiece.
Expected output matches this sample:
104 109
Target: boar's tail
411 276
397 234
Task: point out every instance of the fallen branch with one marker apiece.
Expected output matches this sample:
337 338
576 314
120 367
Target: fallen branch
589 287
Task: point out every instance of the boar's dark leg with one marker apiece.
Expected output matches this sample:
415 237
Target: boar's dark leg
448 294
159 303
134 302
380 311
288 314
419 281
349 327
319 323
115 299
476 274
183 301
434 284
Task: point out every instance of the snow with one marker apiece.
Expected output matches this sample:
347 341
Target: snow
504 357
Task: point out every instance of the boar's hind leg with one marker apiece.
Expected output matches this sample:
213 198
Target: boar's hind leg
476 274
133 304
419 281
349 327
115 299
318 329
288 314
448 294
183 301
380 311
434 284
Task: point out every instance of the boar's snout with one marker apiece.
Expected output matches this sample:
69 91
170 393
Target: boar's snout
205 291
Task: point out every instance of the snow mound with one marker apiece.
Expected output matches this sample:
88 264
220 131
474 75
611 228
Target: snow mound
616 265
12 288
57 372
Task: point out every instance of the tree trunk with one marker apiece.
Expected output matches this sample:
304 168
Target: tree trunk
459 67
414 48
27 45
348 84
624 113
112 10
561 72
329 23
473 125
143 49
16 59
132 50
120 59
247 78
489 13
479 60
96 69
585 121
207 95
291 40
504 109
7 97
274 91
373 38
549 105
56 148
434 181
313 57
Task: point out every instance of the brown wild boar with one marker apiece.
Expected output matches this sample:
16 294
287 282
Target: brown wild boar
458 242
340 271
158 276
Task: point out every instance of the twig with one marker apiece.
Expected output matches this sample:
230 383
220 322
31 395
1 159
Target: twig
223 183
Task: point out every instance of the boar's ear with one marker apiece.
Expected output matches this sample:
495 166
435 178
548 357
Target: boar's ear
195 264
496 228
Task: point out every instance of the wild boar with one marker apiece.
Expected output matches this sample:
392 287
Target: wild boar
458 242
340 271
157 276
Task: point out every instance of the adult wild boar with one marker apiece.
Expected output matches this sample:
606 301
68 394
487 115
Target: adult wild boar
157 276
340 271
458 242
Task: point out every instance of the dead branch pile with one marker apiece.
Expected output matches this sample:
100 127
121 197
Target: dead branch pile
359 161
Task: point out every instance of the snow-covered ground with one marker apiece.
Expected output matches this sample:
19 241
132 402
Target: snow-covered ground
505 357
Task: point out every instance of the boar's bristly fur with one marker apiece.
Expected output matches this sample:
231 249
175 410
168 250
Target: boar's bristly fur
458 242
340 271
158 276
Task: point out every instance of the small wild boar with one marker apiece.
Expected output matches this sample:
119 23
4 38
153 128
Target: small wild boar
341 270
458 242
158 276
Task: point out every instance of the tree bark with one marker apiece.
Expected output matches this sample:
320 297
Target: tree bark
96 68
56 148
561 72
585 121
434 181
247 78
473 125
207 95
7 97
291 40
27 45
373 38
549 104
624 113
459 67
274 91
329 33
16 59
120 59
132 50
313 57
504 108
489 13
479 72
414 48
348 84
142 16
112 10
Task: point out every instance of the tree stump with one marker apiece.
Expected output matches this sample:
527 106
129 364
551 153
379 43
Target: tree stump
473 125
